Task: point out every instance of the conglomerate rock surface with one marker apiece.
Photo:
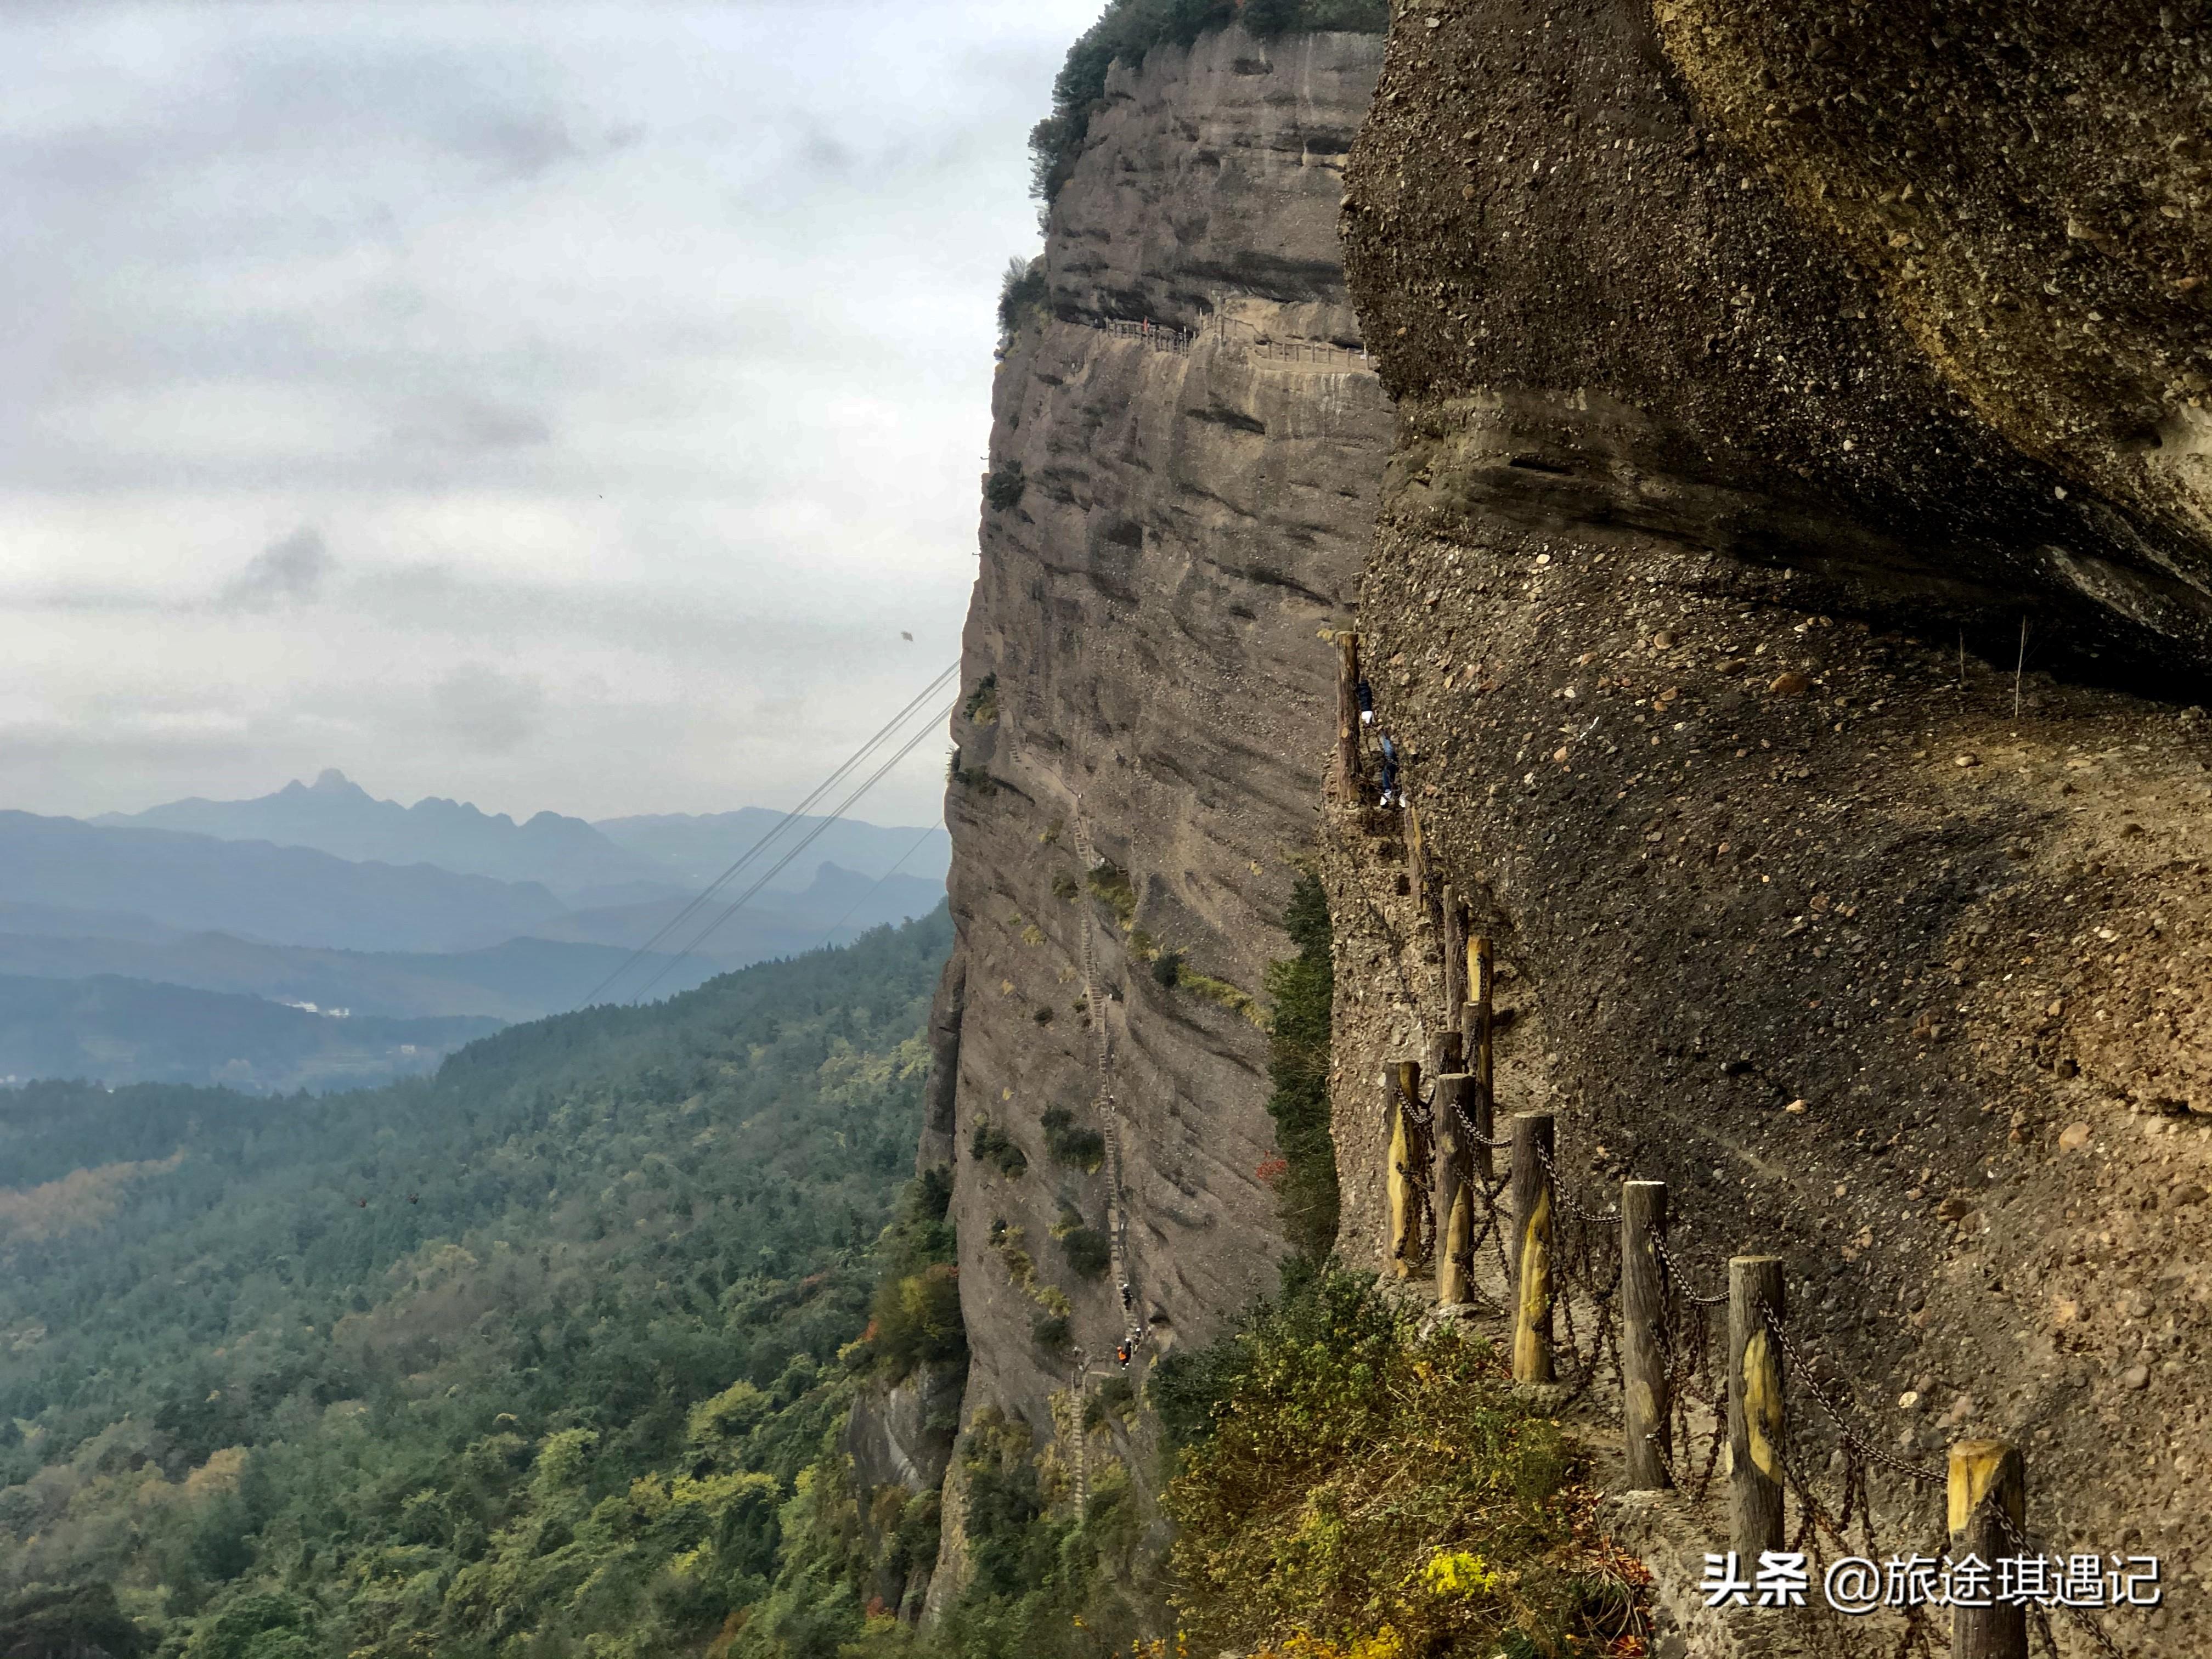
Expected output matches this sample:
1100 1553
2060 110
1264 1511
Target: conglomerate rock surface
1788 590
1148 663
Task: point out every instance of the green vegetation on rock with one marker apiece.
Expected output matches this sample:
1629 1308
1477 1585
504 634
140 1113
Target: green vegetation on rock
1045 1583
1109 885
1003 489
1303 989
982 705
1022 299
1345 1486
1085 1149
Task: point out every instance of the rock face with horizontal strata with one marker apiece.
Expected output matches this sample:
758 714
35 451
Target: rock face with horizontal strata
1153 618
1771 501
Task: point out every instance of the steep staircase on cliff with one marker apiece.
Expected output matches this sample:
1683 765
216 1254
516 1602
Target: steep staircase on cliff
1110 1126
1094 1002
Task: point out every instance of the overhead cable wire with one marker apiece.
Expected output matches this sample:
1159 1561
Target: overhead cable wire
843 807
858 756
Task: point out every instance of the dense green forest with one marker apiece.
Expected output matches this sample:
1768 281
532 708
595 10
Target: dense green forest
543 1355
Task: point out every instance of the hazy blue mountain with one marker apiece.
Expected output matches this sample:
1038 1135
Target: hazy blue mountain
700 847
284 895
336 816
837 906
114 1030
56 921
519 980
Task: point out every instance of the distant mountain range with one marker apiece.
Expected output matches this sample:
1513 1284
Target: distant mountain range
122 937
336 816
518 979
111 1029
616 861
284 895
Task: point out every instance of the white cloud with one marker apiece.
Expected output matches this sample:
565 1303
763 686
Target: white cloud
637 358
488 712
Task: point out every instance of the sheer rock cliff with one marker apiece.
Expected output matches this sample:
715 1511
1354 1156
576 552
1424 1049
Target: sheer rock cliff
1176 513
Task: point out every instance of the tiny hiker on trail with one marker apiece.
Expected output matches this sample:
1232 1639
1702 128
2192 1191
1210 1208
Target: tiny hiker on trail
1389 768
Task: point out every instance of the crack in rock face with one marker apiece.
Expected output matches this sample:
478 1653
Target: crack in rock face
1788 600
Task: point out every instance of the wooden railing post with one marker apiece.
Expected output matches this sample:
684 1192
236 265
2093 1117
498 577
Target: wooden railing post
1987 1486
1754 1404
1417 852
1532 1247
1407 1174
1348 782
1476 1027
1455 1208
1454 947
1646 1408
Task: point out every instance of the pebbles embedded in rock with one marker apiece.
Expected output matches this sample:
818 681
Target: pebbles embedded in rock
1791 683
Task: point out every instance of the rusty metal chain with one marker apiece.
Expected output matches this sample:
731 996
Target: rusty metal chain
1851 1437
1678 1282
2096 1631
1565 1198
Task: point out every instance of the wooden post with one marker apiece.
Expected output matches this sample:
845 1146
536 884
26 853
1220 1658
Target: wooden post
1455 944
1349 782
1417 852
1454 1204
1476 1021
1532 1247
1754 1404
1394 1171
1988 1485
1646 1409
1401 1084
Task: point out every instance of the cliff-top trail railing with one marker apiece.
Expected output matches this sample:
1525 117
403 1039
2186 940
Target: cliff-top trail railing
1233 335
1644 1330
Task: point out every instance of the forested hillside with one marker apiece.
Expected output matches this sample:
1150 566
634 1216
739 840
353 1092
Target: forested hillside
530 1357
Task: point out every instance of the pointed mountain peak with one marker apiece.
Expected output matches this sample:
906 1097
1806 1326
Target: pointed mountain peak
331 781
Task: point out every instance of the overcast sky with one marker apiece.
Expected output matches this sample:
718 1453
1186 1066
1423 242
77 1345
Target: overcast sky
547 406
